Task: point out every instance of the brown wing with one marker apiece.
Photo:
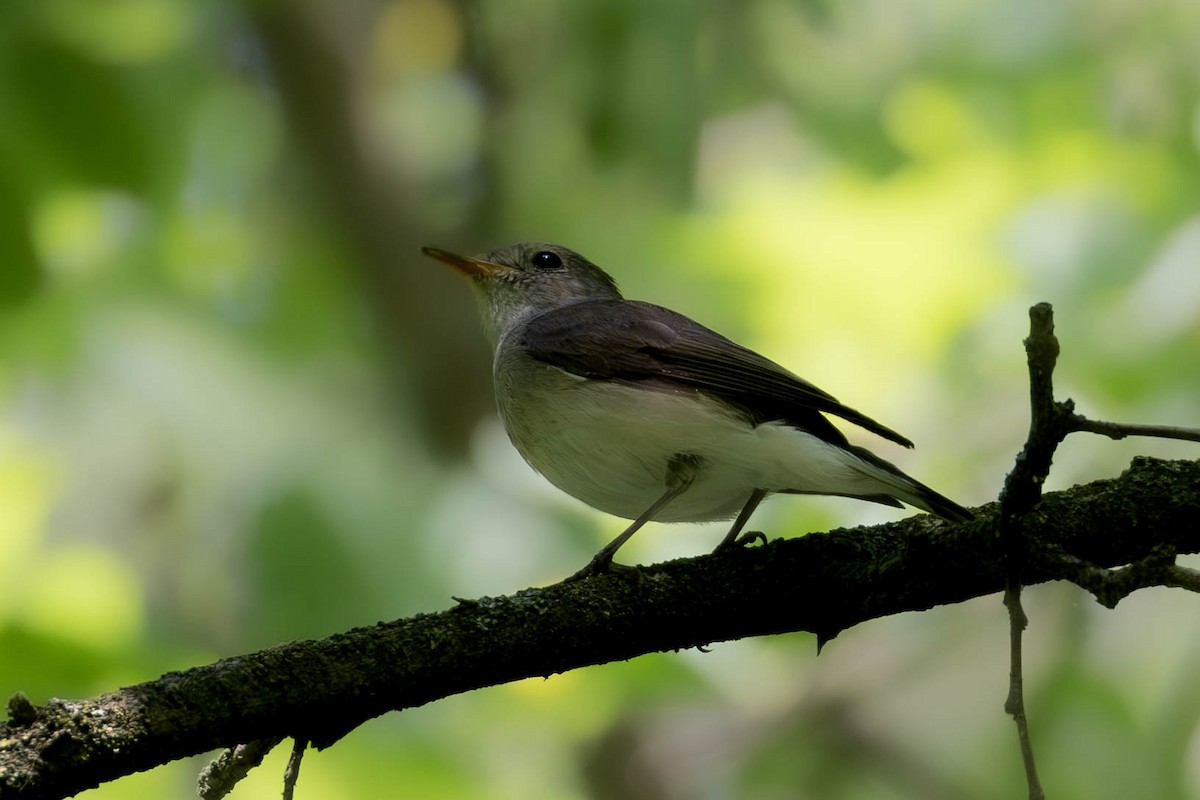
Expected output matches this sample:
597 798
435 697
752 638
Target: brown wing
631 341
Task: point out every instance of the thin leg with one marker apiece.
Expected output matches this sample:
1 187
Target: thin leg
681 471
743 517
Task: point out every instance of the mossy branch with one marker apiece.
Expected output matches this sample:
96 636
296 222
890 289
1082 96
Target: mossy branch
821 583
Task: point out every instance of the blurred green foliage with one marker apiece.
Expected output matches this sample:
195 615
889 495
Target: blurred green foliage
237 408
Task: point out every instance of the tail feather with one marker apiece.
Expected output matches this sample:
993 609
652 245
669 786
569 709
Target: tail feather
910 490
929 500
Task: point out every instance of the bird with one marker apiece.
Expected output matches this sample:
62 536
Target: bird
645 414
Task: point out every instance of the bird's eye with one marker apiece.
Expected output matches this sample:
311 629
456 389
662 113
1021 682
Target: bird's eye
544 259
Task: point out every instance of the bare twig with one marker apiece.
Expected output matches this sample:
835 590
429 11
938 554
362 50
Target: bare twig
1048 426
1118 430
218 778
1111 586
1050 423
292 773
1014 704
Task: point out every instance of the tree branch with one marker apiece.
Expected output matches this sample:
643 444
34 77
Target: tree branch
218 778
1111 586
1048 426
1050 423
823 583
321 95
1119 430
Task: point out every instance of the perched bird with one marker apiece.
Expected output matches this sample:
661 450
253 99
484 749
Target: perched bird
646 414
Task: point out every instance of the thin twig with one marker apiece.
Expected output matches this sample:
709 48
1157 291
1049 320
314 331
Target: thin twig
219 777
1119 430
1050 423
1048 426
292 773
1183 578
1111 586
1015 703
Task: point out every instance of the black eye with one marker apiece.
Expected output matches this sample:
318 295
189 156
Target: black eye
544 259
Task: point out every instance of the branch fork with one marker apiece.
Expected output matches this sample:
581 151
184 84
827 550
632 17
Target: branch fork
1051 422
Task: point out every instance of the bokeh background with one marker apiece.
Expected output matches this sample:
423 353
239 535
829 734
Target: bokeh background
237 407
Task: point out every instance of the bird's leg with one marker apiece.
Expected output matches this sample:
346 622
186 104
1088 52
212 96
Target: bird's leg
743 517
681 471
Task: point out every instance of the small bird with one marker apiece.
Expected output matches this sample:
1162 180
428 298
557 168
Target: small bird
645 414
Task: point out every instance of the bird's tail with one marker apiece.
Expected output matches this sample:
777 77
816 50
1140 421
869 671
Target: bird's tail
910 490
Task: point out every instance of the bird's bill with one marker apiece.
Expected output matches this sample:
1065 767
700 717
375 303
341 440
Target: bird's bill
467 265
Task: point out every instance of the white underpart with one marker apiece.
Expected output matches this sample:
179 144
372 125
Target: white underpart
609 444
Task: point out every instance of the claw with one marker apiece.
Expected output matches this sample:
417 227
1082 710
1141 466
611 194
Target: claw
745 540
591 569
750 537
599 566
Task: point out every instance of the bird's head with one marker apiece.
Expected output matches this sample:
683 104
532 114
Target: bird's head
521 280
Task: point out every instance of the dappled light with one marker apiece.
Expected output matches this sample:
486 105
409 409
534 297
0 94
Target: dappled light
239 408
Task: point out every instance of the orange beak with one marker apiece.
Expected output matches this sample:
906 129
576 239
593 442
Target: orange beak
467 265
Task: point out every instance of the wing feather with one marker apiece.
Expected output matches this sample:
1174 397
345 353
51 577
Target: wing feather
632 341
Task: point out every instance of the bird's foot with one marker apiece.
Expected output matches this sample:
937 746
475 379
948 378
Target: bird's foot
745 540
600 565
